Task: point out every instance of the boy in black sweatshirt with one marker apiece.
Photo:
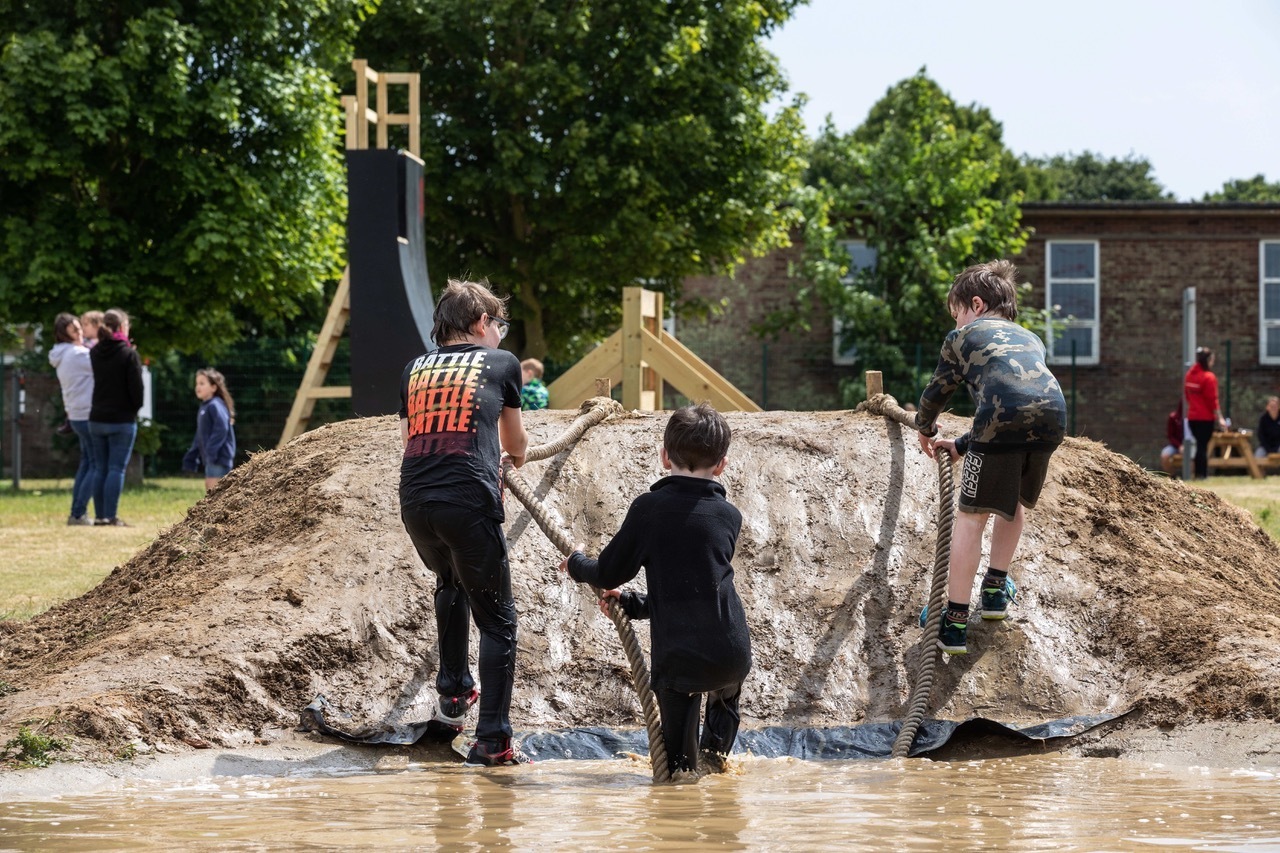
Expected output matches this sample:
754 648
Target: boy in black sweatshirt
683 531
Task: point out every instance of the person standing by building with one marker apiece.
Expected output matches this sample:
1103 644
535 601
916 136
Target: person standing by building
113 418
70 358
1200 387
459 412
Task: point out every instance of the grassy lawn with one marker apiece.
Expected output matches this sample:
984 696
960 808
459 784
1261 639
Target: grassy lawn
46 562
1260 497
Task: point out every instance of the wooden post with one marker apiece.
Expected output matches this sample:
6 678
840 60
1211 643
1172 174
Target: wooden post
641 356
875 383
652 309
632 347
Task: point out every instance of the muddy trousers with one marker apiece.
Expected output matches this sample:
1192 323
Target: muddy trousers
468 554
680 716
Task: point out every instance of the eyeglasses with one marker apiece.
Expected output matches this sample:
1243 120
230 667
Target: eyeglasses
504 326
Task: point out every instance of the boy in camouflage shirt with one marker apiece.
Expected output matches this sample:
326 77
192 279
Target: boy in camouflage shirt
1020 421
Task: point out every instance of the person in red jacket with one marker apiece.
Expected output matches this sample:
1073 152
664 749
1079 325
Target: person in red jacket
1200 387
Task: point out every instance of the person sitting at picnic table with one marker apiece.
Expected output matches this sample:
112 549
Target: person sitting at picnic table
1269 429
1174 432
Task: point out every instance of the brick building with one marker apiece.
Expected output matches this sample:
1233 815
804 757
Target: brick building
1118 268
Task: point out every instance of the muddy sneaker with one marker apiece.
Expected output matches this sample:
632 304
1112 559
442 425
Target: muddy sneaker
451 714
79 521
109 522
490 753
996 599
712 762
952 637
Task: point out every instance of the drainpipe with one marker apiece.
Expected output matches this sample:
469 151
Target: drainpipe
1188 358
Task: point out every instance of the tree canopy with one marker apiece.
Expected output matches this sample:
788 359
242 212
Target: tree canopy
1091 177
931 188
1255 189
175 158
573 149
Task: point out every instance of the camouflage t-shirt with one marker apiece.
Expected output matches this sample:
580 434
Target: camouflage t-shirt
1020 404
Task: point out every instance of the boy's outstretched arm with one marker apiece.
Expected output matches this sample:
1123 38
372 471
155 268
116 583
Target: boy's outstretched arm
620 560
632 603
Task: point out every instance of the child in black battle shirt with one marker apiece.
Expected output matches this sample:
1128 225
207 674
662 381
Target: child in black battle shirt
683 532
459 409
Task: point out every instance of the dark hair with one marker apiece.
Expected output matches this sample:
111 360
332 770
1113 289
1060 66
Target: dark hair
1203 354
219 383
113 320
697 437
994 282
460 306
60 325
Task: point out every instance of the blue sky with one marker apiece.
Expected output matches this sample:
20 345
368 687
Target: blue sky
1192 86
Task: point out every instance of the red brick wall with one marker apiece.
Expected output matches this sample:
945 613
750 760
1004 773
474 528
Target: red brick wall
1147 255
794 372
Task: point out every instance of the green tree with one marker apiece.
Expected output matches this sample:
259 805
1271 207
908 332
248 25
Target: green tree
1090 177
1255 189
179 159
931 188
573 149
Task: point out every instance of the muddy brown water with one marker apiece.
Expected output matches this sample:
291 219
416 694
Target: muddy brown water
1043 802
295 578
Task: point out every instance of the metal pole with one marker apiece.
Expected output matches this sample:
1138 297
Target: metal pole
1073 386
1226 348
19 409
764 376
1188 358
2 366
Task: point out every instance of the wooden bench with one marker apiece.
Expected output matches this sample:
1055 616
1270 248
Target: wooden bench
1232 451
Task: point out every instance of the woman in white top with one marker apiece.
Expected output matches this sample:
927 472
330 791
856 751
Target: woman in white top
70 357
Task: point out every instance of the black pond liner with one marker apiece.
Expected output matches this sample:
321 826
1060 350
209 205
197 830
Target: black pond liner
834 743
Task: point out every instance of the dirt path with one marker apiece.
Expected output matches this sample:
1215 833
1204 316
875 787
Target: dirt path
295 578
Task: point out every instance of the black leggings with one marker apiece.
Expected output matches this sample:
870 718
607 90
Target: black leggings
468 554
1203 431
680 713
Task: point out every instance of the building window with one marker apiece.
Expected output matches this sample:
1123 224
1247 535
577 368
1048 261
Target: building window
861 258
1269 299
1071 294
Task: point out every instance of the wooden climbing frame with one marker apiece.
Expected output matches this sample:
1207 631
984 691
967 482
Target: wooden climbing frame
359 116
641 356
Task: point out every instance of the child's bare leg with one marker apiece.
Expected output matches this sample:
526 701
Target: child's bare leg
1004 539
966 551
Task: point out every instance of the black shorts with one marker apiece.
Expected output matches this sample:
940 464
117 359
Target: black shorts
998 482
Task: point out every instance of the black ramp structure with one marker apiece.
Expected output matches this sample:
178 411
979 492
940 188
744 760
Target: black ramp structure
391 306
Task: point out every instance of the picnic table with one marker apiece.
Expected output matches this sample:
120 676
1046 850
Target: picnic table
1233 451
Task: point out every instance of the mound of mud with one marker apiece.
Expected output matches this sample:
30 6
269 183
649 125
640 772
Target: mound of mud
295 578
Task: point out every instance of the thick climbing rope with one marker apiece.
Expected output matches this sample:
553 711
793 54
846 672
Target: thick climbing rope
883 404
593 412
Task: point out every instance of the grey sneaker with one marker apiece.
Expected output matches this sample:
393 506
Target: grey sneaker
79 521
110 522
